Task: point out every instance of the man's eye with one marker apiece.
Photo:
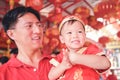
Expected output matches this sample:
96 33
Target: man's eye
40 25
28 26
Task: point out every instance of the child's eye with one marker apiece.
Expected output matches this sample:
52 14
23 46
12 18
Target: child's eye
79 31
69 32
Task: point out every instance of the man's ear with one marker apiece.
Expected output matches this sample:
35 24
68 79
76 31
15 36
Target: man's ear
10 34
61 39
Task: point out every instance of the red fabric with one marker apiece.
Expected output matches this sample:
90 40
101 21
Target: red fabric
112 77
92 49
16 70
81 72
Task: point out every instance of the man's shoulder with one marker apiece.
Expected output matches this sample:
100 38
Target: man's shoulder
4 67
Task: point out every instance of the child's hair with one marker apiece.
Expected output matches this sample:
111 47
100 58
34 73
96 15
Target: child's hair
70 19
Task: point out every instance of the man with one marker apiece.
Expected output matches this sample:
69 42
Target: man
23 26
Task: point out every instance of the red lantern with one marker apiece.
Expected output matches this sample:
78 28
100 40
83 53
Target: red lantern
92 21
103 40
54 42
58 10
13 3
46 40
56 18
36 4
57 1
98 26
116 1
83 11
103 8
4 40
3 35
16 1
82 18
118 34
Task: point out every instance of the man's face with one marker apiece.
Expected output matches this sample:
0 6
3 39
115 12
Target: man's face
28 32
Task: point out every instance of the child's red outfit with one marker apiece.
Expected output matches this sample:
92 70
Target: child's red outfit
112 77
81 72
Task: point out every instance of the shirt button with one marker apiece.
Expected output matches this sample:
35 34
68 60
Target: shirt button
34 69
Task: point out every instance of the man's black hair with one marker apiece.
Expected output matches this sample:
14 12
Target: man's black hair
14 51
12 16
4 59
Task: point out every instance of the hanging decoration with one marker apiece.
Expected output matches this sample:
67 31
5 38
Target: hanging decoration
92 21
5 41
104 8
3 35
36 4
46 40
115 1
83 11
52 31
51 39
57 2
16 1
117 15
98 26
82 18
103 40
55 16
118 34
12 3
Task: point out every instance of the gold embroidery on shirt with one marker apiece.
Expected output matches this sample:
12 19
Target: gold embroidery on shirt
82 50
78 74
61 77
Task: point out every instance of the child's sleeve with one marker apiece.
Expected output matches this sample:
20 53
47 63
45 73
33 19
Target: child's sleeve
93 49
55 61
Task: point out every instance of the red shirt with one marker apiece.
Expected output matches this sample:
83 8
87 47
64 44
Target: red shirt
81 72
16 70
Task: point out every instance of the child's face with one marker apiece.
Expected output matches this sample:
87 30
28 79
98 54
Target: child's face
73 35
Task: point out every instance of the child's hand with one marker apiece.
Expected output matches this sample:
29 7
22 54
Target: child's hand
66 62
72 57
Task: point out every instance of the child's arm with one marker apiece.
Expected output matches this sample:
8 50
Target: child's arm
59 68
93 61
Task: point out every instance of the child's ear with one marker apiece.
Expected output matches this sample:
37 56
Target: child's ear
10 34
61 39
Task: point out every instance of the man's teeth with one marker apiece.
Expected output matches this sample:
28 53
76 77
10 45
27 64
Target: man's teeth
36 38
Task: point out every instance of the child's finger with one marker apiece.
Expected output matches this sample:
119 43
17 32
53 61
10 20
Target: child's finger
65 54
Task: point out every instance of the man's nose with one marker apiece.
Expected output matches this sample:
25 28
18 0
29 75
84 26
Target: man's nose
37 29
